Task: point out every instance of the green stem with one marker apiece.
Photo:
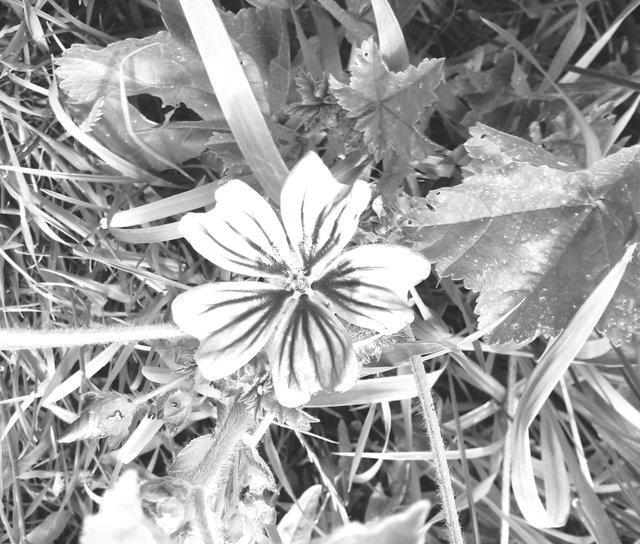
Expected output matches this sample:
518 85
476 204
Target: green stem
203 521
211 472
443 476
14 339
210 476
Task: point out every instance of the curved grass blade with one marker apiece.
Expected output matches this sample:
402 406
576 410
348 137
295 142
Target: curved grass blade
390 38
551 366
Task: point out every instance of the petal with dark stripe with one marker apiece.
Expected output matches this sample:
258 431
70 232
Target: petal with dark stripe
319 214
368 285
310 351
232 320
241 234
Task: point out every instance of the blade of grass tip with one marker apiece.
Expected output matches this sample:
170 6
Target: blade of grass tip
326 480
148 235
360 445
567 48
550 368
393 48
587 58
591 143
235 96
166 207
368 474
138 440
388 389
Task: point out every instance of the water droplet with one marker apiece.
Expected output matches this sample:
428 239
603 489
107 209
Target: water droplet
588 277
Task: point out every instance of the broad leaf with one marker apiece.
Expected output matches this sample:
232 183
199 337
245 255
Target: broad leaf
167 66
390 107
147 144
522 230
160 65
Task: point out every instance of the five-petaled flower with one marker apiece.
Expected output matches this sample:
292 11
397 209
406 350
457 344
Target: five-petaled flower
309 280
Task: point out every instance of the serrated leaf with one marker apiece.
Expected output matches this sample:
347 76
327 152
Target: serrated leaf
390 106
540 235
491 149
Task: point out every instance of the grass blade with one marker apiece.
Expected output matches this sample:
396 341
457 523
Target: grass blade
551 367
235 96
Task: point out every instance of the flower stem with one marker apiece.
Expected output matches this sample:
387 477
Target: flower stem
443 476
14 339
211 472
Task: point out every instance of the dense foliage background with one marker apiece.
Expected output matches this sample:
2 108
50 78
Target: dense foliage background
500 140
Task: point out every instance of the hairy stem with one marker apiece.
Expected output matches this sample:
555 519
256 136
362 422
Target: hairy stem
210 476
203 521
443 476
14 339
211 472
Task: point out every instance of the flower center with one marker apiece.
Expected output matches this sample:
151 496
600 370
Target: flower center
297 282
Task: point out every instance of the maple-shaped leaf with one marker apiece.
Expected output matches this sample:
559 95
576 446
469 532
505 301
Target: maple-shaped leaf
536 234
390 107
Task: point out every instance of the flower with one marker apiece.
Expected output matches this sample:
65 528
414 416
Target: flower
308 281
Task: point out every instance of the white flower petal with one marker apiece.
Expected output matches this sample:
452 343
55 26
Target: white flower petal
241 234
310 351
232 320
368 285
319 214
